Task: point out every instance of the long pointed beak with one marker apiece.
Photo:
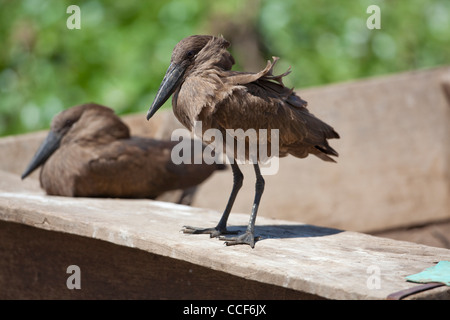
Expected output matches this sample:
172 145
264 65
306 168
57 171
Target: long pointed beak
172 78
50 144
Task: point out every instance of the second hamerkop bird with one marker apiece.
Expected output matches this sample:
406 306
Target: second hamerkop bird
205 90
89 152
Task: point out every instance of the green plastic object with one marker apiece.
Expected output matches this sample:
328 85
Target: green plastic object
438 273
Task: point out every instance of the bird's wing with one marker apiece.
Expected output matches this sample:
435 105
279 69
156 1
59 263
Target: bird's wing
134 168
260 100
272 84
144 167
123 168
203 90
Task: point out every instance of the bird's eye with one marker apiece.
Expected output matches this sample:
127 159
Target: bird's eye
68 123
190 54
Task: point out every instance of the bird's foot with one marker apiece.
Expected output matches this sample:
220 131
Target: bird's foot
246 238
213 232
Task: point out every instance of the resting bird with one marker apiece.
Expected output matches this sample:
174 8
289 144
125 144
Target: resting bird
89 152
205 89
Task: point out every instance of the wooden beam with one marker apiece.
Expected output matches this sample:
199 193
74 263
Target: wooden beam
300 260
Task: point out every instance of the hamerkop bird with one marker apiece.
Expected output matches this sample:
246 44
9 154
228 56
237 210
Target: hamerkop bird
89 152
206 90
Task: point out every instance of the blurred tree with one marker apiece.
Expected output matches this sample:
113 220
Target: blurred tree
123 48
328 41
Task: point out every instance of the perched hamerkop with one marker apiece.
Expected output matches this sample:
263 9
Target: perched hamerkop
89 152
205 89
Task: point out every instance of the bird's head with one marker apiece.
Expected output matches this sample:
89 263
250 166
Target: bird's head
70 124
188 53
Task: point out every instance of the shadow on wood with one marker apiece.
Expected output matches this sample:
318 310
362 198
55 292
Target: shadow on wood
287 231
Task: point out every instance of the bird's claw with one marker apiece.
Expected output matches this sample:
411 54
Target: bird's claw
246 238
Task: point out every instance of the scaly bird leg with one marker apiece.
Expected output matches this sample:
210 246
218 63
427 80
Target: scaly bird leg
221 227
249 236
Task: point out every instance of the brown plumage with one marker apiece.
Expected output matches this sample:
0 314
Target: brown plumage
205 89
89 153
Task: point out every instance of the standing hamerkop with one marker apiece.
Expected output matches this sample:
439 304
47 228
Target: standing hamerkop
206 90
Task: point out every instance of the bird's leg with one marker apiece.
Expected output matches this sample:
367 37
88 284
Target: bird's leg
221 227
249 236
187 196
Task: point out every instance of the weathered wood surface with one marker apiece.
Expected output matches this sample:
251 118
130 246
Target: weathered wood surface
34 264
318 261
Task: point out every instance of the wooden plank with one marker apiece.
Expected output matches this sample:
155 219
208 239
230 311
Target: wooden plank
34 262
317 261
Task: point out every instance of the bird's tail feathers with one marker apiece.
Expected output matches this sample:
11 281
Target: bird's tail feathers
324 151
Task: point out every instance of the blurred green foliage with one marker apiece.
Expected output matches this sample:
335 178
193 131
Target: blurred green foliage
123 48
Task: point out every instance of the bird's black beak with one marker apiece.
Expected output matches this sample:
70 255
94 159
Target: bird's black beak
50 144
172 78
